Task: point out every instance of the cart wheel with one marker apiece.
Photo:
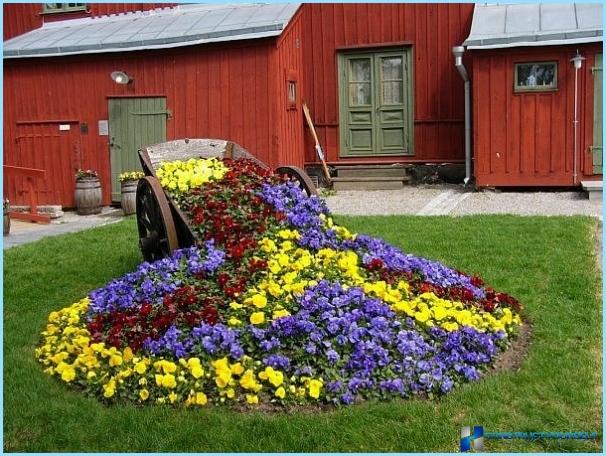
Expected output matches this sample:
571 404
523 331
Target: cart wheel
157 233
296 174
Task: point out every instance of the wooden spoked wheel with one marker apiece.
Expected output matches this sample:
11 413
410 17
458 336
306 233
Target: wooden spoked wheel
157 233
296 174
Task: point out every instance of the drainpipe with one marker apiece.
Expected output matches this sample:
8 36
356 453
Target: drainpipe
577 61
458 54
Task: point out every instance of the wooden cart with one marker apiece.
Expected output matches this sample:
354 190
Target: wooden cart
163 227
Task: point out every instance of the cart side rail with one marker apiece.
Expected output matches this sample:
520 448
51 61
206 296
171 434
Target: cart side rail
184 149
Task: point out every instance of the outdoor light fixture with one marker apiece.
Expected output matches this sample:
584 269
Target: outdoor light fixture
120 77
577 60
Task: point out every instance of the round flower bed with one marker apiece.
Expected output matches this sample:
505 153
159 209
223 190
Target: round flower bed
277 304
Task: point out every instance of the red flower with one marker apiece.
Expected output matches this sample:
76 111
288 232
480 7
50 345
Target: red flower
222 279
376 264
145 310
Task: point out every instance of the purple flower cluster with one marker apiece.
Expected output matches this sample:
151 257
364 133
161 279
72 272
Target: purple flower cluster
215 340
434 272
356 343
152 281
362 350
303 213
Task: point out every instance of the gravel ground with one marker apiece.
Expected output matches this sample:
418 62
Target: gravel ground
409 200
529 203
452 200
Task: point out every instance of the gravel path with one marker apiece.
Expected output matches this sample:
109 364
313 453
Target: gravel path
409 200
26 232
454 200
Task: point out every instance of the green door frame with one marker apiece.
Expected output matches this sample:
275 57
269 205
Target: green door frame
597 148
376 115
134 123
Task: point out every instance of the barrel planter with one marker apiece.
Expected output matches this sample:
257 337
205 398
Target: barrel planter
129 192
88 196
7 219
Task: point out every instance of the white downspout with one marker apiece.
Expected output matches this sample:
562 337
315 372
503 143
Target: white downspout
577 61
458 54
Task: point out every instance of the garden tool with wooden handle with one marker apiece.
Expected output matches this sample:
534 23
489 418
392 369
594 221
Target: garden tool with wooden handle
319 150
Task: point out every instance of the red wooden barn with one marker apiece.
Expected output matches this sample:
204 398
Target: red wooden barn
380 81
537 120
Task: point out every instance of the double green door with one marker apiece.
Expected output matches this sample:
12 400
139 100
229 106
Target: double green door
597 149
375 103
134 123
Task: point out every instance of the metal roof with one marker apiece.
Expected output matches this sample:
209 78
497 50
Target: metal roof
537 24
183 25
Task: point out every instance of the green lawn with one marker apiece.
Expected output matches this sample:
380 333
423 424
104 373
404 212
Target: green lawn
549 264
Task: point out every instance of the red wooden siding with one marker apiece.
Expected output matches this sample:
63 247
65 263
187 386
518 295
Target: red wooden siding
19 18
22 17
289 62
527 138
430 29
43 146
215 91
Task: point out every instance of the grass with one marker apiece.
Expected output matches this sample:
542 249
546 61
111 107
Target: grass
547 263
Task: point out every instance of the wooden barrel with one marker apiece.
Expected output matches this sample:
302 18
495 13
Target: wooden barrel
129 193
7 220
88 196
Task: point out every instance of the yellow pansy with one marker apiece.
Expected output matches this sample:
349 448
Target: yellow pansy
259 301
140 367
256 318
314 388
280 393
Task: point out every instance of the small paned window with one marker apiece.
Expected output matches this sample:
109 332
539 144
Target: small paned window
291 90
63 7
292 94
535 76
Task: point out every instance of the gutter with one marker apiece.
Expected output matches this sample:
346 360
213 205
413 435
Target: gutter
458 54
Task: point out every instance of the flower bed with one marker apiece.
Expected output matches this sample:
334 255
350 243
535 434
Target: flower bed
277 304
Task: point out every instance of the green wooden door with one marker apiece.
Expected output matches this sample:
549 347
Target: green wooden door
597 147
375 103
134 123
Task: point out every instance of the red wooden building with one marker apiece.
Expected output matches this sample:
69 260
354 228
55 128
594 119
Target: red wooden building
525 128
379 79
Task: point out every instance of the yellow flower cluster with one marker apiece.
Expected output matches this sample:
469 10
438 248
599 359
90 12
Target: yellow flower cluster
291 270
67 352
430 310
131 176
182 175
341 231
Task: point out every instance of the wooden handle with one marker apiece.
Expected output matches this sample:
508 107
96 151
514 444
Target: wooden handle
310 124
313 132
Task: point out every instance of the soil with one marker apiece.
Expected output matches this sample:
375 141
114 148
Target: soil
512 358
509 360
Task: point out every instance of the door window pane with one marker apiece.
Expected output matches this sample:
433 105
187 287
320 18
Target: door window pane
360 94
392 93
359 70
360 88
391 68
392 84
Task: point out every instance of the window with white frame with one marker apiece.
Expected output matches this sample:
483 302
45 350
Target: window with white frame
63 7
